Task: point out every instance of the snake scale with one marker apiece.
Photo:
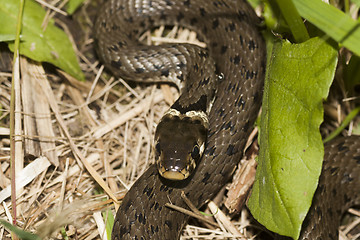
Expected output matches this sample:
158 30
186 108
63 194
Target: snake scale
234 62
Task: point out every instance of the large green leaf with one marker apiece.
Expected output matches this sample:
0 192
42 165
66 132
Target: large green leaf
291 150
335 23
51 45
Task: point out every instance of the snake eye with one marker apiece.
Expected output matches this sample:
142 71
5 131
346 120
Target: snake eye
157 148
195 154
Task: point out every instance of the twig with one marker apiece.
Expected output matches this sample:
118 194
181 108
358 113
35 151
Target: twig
191 214
15 76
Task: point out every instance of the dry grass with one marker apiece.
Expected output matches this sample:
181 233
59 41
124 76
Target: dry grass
84 145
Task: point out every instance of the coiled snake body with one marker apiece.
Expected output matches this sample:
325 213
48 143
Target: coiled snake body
236 51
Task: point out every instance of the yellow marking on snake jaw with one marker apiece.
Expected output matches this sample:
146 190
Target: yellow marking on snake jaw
173 174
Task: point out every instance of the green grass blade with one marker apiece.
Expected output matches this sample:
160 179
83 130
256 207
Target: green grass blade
344 124
19 232
335 23
293 20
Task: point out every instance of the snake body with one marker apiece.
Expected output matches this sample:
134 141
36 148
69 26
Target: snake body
236 51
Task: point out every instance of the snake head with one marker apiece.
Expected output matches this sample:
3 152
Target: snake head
179 145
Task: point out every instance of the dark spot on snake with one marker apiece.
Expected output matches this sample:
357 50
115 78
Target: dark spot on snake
142 24
121 44
168 223
210 133
229 87
241 40
154 172
210 150
357 158
168 2
141 218
157 67
123 231
139 10
249 74
215 24
203 54
129 19
181 65
113 48
147 190
127 206
180 77
196 67
333 170
115 27
221 112
237 59
151 21
165 73
116 64
154 229
156 206
232 27
135 31
256 97
200 105
163 16
205 81
193 21
341 147
347 178
251 45
240 103
241 15
152 205
223 49
228 125
230 150
187 3
170 190
206 177
346 198
205 30
163 188
180 17
202 12
139 70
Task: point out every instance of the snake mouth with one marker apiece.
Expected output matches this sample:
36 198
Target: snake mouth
174 173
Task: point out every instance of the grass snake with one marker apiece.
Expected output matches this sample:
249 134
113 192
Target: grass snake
228 76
